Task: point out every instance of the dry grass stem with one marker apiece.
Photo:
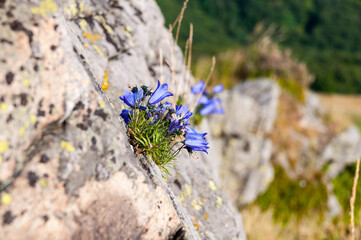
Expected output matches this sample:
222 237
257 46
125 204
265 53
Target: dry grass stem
179 20
353 198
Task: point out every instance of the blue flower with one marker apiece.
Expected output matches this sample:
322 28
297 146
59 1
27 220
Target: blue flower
196 89
126 115
195 141
132 99
164 107
213 106
174 126
159 94
218 88
183 112
203 100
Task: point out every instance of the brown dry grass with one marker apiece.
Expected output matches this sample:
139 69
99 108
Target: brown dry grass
259 225
343 109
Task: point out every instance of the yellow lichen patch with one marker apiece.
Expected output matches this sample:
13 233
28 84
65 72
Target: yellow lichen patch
181 199
97 49
197 205
83 24
43 183
33 119
92 37
188 191
23 129
47 6
4 145
72 9
111 104
6 199
212 186
205 216
105 84
219 201
105 25
26 83
3 107
85 45
67 146
101 104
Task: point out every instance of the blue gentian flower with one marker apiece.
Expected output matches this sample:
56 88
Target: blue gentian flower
174 126
196 89
203 100
195 141
218 88
132 99
126 115
159 94
213 106
183 112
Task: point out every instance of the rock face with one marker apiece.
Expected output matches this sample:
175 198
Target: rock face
243 132
66 168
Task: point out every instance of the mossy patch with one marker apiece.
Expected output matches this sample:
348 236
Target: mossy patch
293 88
293 198
343 190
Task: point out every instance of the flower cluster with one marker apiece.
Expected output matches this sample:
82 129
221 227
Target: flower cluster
155 128
207 103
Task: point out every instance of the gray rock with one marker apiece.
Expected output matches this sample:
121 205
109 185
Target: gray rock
342 150
250 111
65 157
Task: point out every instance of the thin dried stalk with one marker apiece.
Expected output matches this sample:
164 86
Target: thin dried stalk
180 18
188 60
353 198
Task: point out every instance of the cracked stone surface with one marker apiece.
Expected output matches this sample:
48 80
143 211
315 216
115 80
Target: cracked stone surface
66 168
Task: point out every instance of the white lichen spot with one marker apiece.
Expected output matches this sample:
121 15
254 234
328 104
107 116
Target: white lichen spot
212 185
46 7
111 104
67 146
219 201
4 145
6 199
3 107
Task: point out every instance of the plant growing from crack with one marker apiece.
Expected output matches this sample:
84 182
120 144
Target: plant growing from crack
158 130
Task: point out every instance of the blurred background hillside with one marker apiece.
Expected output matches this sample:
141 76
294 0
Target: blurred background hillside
324 34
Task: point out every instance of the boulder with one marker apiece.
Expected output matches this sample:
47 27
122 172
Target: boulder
66 167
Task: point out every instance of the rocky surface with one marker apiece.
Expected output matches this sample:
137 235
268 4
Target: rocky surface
66 168
264 125
243 132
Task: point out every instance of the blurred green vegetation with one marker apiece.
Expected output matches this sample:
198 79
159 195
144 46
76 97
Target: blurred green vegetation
290 199
343 190
323 33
